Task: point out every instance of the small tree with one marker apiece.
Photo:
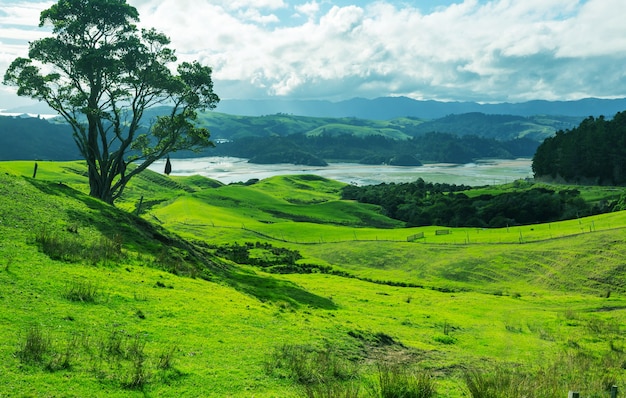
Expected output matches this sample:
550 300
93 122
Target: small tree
100 73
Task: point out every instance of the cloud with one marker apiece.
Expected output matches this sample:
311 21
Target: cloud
310 9
496 50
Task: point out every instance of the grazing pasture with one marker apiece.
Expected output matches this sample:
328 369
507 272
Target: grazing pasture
281 289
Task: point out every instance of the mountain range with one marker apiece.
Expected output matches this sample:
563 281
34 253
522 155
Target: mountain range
385 108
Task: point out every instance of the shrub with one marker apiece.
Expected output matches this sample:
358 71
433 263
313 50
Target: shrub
497 382
573 370
105 250
444 339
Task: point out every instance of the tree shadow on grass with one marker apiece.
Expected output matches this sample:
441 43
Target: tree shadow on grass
267 288
135 233
144 237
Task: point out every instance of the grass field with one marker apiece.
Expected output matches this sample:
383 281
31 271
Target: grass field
95 301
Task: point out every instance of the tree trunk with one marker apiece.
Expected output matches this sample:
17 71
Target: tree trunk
98 186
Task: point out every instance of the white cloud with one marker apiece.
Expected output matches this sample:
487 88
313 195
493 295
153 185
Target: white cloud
258 4
486 50
309 9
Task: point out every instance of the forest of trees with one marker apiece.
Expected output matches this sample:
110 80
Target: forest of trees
423 203
594 153
35 139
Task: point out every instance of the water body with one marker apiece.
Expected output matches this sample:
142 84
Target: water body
229 169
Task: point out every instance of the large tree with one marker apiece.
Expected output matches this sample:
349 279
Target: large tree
101 73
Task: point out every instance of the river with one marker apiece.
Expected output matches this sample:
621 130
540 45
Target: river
229 169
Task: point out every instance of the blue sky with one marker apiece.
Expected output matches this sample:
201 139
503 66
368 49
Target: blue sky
464 50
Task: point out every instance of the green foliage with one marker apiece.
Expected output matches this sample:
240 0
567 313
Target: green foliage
35 346
574 370
398 381
591 153
539 308
326 373
307 365
100 73
420 203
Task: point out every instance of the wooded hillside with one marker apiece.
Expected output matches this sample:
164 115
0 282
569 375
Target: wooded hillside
282 138
594 152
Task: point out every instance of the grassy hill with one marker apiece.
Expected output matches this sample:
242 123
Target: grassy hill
281 289
500 127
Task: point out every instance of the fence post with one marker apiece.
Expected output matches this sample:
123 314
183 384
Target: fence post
614 392
573 394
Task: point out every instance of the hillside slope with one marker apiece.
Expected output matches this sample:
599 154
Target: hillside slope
128 307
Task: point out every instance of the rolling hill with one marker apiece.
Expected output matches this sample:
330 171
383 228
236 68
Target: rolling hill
32 138
259 290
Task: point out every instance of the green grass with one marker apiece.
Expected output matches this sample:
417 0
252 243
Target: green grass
165 318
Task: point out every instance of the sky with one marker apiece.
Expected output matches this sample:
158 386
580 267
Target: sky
449 50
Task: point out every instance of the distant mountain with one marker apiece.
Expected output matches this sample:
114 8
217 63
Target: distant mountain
385 108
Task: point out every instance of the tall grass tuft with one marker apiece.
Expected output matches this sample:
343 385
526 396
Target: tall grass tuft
58 247
334 389
71 247
400 381
35 346
498 382
591 374
79 291
166 358
307 365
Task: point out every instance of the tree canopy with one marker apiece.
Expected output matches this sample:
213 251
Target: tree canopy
100 73
593 152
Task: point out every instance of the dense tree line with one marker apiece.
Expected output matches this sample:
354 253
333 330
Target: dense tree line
35 139
422 203
377 149
594 152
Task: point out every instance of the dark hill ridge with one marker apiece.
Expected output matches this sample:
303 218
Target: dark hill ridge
24 138
309 137
35 138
